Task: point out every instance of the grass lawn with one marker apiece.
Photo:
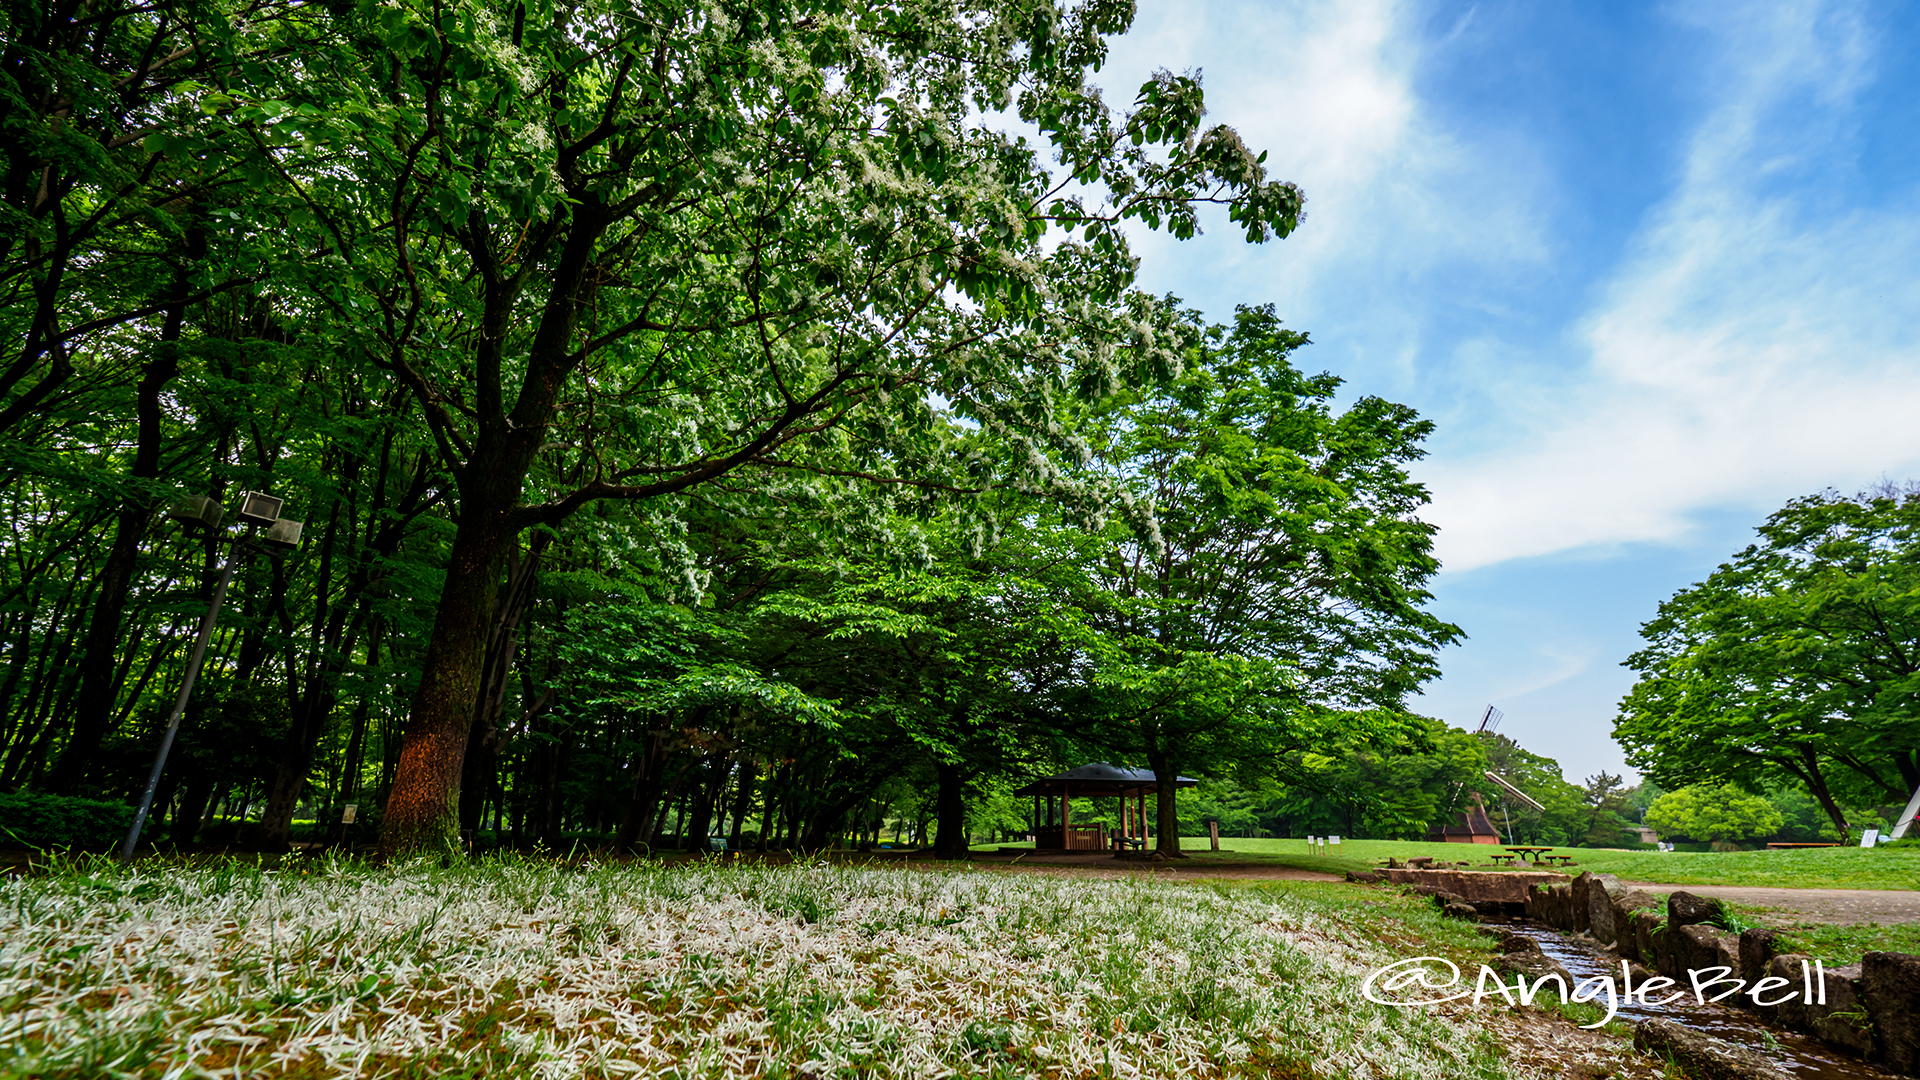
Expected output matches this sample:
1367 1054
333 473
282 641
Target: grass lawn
1840 945
1805 868
716 969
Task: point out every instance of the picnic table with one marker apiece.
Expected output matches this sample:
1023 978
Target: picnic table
1535 852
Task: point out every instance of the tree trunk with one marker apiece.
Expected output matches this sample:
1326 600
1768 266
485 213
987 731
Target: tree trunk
192 809
94 707
53 671
316 704
483 743
552 763
16 667
356 753
93 711
831 819
1166 818
742 802
1817 784
706 798
642 796
1908 762
28 731
950 835
770 810
423 809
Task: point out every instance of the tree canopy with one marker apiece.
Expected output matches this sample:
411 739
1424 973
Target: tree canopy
1713 812
733 418
1794 662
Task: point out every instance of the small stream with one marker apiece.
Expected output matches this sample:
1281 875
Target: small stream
1803 1056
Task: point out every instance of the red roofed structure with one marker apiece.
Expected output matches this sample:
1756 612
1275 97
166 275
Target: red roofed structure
1470 827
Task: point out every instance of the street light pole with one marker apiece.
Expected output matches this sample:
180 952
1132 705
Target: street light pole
186 691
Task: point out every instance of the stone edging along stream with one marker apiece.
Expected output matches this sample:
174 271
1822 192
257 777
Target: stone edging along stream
1871 1008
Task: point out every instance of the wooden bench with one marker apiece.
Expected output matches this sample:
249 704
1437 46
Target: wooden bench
1503 860
1558 860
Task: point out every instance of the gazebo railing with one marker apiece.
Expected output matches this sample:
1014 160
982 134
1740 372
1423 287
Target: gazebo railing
1071 838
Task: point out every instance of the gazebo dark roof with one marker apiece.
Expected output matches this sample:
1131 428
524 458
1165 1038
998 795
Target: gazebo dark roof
1100 778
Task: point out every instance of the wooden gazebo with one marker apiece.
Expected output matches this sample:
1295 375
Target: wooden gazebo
1053 827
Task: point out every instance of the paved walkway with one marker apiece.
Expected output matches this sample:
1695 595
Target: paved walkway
1838 906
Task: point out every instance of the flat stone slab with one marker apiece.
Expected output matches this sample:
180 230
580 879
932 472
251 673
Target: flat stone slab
1505 886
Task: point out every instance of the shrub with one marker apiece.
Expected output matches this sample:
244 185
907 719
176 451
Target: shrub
56 821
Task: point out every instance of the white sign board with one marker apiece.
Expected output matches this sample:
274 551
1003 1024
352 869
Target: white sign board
1333 840
1870 838
347 813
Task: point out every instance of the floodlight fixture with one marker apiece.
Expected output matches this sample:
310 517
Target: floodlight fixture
283 535
260 508
257 509
197 512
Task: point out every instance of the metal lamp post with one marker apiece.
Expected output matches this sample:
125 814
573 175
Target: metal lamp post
257 510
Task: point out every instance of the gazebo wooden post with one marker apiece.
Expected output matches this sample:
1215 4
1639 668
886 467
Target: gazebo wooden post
1098 781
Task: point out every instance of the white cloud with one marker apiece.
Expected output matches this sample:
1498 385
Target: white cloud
1748 348
1393 198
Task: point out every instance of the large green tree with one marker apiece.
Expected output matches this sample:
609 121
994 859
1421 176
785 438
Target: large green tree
1280 600
1798 661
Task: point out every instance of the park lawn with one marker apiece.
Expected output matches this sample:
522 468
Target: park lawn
715 968
1838 946
1804 868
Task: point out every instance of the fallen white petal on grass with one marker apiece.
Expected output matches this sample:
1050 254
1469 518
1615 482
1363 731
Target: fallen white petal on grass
547 970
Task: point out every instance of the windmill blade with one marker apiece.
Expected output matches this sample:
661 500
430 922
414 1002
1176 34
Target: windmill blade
1515 792
1490 720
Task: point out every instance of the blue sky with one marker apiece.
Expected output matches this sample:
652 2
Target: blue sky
1651 269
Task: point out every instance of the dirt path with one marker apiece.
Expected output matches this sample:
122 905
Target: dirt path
1837 906
1104 865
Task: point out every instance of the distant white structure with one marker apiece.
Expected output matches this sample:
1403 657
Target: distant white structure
1907 815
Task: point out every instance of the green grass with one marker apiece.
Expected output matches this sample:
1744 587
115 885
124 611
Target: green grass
1837 946
1805 868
